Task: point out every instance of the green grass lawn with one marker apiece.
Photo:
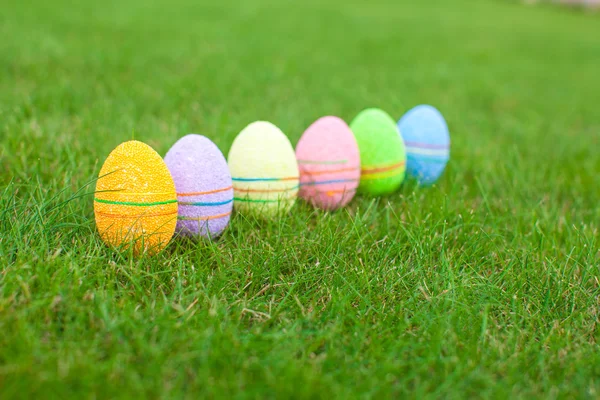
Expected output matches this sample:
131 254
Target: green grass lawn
485 285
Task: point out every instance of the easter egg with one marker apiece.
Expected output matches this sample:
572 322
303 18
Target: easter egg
382 154
329 162
427 141
203 184
135 202
264 170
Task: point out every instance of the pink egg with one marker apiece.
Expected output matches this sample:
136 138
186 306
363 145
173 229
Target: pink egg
329 162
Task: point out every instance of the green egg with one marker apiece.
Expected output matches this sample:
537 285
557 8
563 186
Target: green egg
382 152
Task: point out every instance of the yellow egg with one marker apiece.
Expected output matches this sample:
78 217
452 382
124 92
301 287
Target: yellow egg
264 170
135 200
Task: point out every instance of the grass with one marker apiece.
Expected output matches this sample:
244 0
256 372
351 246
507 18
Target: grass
485 285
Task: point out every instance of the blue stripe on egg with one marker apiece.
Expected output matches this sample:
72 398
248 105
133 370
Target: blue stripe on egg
205 203
439 160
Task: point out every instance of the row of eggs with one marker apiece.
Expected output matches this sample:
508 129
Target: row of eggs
142 199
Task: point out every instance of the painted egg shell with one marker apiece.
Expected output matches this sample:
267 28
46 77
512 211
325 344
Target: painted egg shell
135 201
382 153
264 170
427 141
203 185
329 163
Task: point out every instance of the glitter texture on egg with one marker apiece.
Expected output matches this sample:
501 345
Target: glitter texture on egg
135 201
203 184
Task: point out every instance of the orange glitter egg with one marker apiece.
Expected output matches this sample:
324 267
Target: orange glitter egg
135 201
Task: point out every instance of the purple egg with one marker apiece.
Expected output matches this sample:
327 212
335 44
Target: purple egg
203 185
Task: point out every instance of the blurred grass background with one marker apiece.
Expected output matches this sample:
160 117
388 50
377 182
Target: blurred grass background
485 285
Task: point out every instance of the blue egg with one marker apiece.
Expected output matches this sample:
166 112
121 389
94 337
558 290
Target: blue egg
427 142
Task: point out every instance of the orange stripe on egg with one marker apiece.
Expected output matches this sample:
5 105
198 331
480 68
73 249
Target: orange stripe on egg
122 191
376 170
331 171
381 175
135 216
264 190
206 192
332 193
182 218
